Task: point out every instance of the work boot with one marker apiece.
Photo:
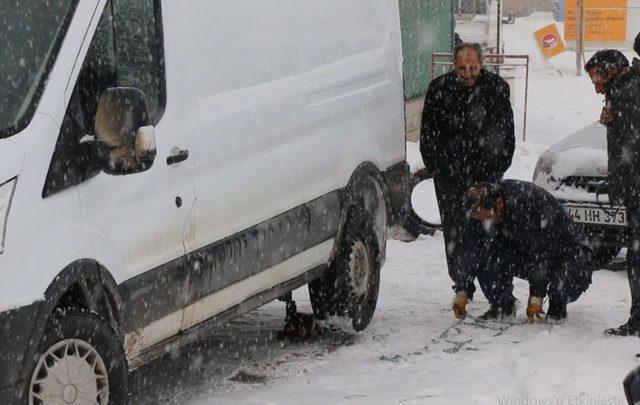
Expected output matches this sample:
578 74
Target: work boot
631 328
557 311
499 312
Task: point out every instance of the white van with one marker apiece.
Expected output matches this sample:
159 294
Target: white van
167 165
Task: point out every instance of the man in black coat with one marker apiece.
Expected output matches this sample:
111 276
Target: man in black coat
533 238
467 136
611 75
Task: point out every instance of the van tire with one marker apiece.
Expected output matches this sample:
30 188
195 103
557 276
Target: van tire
350 285
84 341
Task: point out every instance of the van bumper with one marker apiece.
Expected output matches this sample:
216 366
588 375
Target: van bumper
396 179
16 327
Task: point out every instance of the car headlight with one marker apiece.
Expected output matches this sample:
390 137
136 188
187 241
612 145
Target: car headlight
542 172
6 195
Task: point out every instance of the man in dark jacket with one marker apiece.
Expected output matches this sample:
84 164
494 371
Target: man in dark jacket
610 73
467 136
533 238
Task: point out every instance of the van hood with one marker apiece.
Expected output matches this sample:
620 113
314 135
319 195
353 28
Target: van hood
11 159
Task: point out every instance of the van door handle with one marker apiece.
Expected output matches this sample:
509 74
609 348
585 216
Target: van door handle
177 156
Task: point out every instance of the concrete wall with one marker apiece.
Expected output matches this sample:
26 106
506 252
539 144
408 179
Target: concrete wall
427 27
523 8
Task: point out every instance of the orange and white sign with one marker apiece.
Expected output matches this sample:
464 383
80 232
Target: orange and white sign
604 20
549 41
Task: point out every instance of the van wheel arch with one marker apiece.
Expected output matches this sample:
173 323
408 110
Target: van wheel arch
82 285
363 202
366 190
85 285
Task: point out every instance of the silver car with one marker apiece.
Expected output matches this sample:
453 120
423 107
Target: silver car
575 171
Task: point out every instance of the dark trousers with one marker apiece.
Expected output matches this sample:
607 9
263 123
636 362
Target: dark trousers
464 238
564 279
633 261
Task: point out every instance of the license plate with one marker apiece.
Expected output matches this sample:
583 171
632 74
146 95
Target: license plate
593 214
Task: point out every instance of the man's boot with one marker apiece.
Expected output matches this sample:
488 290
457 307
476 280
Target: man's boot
557 310
471 289
499 312
631 328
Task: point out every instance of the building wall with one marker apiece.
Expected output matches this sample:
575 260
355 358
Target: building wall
523 8
426 28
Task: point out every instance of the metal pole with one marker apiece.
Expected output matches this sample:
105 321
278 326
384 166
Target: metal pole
526 102
453 27
433 65
579 35
499 50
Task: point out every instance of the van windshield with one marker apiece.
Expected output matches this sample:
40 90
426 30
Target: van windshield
31 32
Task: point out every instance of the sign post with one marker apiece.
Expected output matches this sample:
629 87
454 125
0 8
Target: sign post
580 36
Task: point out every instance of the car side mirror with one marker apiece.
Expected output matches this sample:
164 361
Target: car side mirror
510 18
123 131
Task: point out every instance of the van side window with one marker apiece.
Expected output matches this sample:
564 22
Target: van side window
138 50
126 51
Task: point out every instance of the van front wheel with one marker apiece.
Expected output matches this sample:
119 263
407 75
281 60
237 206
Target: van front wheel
350 285
81 361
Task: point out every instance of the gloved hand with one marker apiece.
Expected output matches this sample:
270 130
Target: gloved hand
607 116
460 304
534 309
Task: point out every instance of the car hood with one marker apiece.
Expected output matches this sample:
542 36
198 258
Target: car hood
583 153
592 137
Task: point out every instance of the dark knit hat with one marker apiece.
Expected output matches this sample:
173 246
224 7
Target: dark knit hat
606 59
636 44
482 196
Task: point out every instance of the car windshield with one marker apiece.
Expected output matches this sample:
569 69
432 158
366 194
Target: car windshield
31 32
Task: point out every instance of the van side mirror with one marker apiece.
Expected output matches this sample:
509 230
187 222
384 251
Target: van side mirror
123 131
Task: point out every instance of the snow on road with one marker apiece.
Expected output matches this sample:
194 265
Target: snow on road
415 351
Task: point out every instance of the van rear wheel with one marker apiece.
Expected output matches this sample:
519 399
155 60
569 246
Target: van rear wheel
81 361
350 286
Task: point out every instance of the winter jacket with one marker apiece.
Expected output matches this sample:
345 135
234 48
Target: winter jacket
535 224
623 137
467 134
537 229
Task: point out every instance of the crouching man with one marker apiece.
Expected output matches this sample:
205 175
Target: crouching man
531 237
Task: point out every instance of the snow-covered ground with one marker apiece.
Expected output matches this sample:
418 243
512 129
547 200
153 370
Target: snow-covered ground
415 351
